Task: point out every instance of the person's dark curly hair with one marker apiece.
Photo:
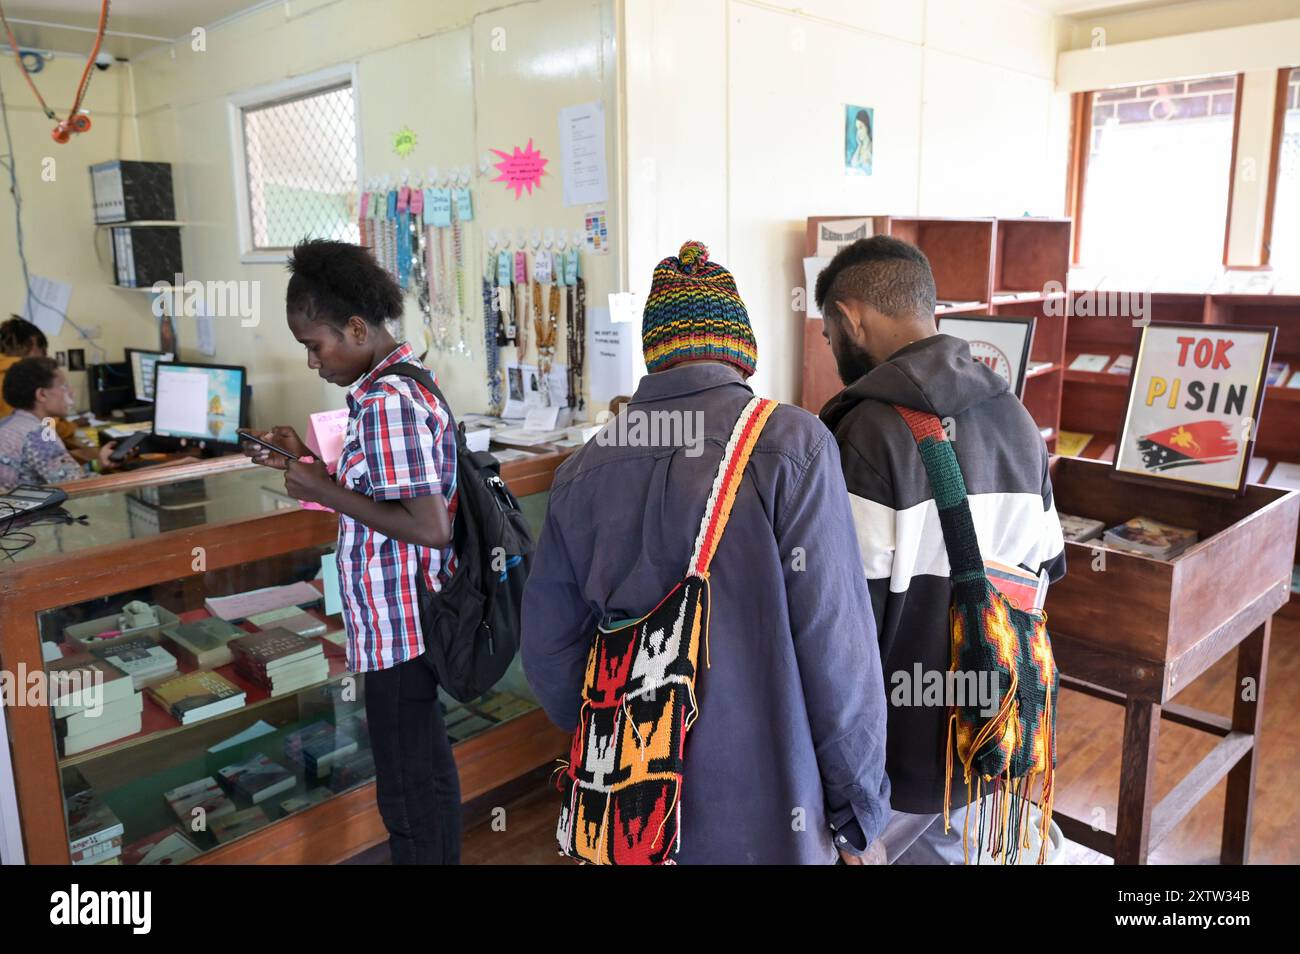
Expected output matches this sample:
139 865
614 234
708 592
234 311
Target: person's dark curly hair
889 275
25 378
17 335
332 281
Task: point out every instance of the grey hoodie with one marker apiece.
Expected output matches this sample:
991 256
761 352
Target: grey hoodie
1004 462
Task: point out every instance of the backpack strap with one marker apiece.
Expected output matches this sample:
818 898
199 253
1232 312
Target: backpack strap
949 489
422 377
730 470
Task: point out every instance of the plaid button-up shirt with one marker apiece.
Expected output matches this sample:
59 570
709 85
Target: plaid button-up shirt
398 445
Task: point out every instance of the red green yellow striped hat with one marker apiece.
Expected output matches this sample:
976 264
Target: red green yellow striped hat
694 313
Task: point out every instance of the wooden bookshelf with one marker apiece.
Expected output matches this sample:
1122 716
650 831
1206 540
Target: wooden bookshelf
984 266
1094 403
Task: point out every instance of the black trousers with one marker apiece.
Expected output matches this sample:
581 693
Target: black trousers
416 783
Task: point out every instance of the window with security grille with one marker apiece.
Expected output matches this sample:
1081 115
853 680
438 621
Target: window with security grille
300 159
1284 252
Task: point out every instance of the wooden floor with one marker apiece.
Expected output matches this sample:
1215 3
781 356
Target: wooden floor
1089 733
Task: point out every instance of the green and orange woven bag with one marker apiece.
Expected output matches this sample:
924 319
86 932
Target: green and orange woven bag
1007 754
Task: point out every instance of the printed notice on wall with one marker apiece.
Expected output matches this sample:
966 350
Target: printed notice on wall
609 356
47 303
582 154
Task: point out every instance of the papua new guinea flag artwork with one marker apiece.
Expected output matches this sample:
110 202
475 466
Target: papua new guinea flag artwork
1204 442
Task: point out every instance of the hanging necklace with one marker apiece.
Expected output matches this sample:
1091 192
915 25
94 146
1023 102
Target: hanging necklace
521 310
547 328
491 329
458 263
577 335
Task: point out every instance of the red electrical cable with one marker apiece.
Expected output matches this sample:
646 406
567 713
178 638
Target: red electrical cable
76 121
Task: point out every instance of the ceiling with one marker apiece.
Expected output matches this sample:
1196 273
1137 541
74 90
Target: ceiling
147 23
151 21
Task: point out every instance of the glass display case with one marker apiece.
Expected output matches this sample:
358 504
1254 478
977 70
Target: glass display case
192 646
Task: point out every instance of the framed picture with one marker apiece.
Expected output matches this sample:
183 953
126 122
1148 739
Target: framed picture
1003 343
1193 404
859 139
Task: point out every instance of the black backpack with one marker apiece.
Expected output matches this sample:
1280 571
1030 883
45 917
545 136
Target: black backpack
471 627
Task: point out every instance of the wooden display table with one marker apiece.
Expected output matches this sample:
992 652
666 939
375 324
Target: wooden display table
1136 631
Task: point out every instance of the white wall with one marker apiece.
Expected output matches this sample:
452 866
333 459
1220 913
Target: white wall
735 132
62 242
429 66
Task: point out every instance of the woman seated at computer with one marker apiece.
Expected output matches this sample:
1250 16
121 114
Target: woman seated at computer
30 450
19 339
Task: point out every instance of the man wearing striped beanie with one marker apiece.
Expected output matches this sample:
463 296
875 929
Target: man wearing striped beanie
694 313
791 699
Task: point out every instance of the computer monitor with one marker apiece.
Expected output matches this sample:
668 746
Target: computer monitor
198 402
142 370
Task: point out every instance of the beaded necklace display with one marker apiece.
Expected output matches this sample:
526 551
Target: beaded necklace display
458 264
505 299
363 206
419 274
439 290
491 330
521 308
547 328
576 331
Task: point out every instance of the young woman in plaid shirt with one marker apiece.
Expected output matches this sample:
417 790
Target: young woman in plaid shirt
395 494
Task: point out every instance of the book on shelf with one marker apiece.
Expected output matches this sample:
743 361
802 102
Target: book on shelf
204 643
141 658
1108 455
237 824
97 734
240 606
1095 363
81 681
296 803
166 847
1078 529
1278 373
318 747
1123 364
1294 381
257 779
98 853
110 713
203 793
288 618
1033 367
1072 443
198 695
1285 474
1024 589
1150 538
90 821
271 649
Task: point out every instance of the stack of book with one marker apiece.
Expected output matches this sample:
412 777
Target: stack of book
203 794
94 832
1150 538
318 747
1078 529
289 618
257 779
204 643
198 695
94 703
141 658
166 847
280 661
243 605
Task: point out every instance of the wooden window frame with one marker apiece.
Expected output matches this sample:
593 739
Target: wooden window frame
1274 163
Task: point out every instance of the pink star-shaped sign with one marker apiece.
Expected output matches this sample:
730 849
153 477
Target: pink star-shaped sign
521 169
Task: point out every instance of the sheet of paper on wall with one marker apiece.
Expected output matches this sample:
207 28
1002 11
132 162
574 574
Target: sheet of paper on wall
207 332
524 390
812 267
582 154
609 357
47 304
833 236
624 308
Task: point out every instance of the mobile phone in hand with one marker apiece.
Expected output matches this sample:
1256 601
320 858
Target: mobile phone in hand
126 445
254 439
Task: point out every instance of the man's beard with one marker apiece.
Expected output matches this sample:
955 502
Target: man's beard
853 362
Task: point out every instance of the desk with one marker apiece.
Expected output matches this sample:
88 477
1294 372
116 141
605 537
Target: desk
227 527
